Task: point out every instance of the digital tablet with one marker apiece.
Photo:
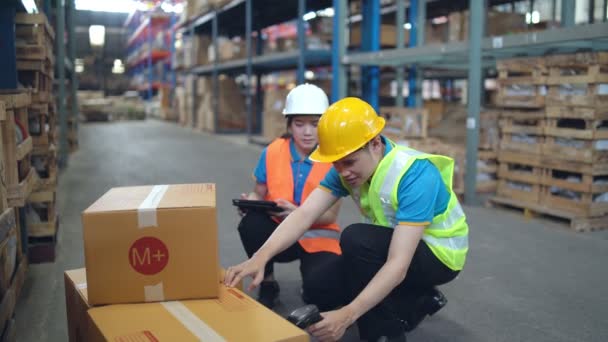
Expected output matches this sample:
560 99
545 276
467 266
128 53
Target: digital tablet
256 205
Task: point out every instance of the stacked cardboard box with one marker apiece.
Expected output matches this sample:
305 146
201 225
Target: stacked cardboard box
152 253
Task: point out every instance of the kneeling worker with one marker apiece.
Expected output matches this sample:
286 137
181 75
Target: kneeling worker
286 175
415 236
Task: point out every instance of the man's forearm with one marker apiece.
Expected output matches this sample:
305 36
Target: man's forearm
286 234
387 278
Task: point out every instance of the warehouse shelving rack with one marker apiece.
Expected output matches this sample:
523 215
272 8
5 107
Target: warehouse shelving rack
63 11
448 60
472 56
257 15
142 28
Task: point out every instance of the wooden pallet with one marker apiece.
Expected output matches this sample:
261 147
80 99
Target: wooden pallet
587 67
36 20
514 142
45 202
577 223
521 96
18 194
576 95
16 157
519 191
9 301
585 151
43 249
577 122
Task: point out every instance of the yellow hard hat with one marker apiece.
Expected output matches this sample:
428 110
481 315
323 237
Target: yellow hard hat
345 127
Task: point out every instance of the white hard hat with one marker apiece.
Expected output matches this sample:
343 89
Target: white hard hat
306 99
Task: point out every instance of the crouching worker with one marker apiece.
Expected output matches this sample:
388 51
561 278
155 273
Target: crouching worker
415 234
286 175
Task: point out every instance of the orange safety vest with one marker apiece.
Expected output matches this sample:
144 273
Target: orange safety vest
280 184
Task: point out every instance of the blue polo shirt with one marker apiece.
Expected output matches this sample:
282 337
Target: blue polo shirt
421 193
300 168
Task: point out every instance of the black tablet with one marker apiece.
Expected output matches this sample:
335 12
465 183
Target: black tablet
256 205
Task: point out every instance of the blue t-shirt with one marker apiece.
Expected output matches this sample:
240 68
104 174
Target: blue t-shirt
300 168
422 194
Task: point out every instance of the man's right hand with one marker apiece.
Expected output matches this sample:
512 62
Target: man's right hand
253 268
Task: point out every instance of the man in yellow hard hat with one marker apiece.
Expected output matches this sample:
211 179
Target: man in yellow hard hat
415 234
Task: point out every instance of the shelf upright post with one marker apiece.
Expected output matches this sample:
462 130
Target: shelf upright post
370 34
474 89
568 11
338 83
259 94
216 85
248 24
72 57
150 68
400 45
301 41
61 103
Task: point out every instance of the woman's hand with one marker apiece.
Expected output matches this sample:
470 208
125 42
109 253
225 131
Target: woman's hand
249 196
333 325
254 267
287 207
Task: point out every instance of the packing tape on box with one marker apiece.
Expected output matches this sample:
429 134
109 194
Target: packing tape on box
146 213
194 324
154 293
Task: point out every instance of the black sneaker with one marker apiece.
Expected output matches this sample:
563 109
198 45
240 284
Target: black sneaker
269 293
427 305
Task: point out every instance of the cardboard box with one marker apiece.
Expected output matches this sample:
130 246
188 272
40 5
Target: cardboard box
77 303
388 35
233 317
152 243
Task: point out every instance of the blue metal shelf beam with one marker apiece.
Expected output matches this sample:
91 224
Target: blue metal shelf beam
370 41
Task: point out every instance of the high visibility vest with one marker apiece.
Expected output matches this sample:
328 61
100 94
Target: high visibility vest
279 180
446 235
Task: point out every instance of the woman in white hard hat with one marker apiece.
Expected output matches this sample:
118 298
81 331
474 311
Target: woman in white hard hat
285 175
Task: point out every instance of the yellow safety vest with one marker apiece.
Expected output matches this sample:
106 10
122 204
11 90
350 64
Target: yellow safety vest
447 234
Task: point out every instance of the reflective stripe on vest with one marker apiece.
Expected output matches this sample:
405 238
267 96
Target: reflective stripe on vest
280 184
447 234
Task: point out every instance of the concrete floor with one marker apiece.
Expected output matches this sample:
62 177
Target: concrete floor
525 280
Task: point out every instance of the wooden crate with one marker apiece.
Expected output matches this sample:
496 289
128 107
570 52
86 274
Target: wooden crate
584 151
575 202
577 223
40 84
520 167
521 96
588 67
45 163
591 178
34 37
9 301
577 122
43 203
10 251
519 191
19 178
3 190
522 143
577 95
405 123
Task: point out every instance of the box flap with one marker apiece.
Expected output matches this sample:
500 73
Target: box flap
79 279
162 196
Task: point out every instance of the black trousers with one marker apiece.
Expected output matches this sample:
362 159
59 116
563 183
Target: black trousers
321 285
365 250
